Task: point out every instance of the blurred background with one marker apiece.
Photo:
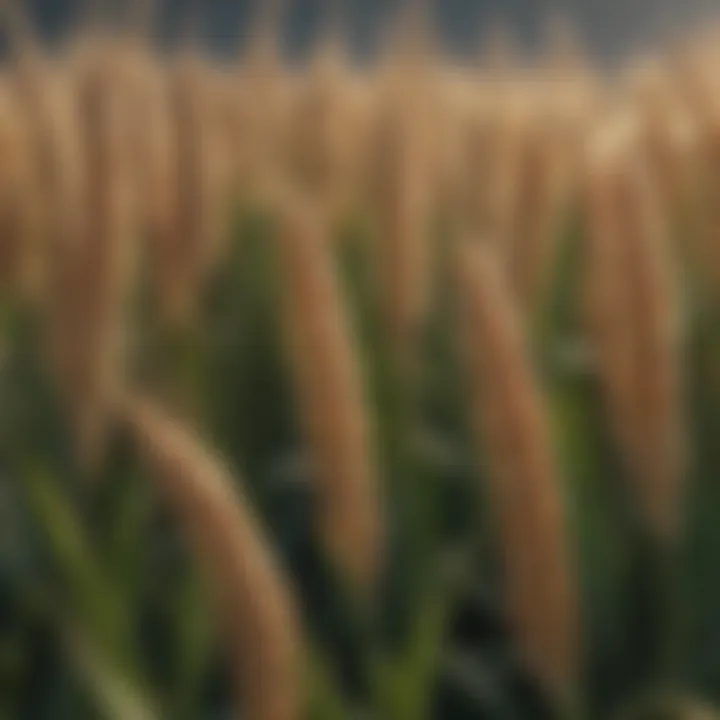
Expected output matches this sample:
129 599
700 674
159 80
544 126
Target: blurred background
610 30
276 339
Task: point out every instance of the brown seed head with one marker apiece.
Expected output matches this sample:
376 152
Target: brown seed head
255 604
331 399
525 491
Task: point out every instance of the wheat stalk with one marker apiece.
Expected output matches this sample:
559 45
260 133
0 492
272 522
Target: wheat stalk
191 247
331 399
451 103
670 134
99 261
704 247
45 100
254 601
636 326
143 78
607 303
525 490
319 146
402 202
495 156
21 260
266 89
661 456
40 93
542 195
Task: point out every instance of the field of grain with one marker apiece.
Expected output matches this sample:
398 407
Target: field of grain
332 391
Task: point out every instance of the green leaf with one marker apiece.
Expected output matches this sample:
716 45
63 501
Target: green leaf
195 632
405 683
326 701
117 695
93 595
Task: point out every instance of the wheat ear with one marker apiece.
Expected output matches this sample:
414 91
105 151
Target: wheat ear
402 197
525 490
101 260
255 603
331 398
541 193
636 326
21 258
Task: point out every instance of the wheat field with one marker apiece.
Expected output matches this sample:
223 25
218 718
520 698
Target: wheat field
334 390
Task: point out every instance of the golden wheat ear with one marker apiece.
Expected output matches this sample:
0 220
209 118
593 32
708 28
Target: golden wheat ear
540 196
21 253
331 398
254 601
319 146
188 239
101 260
401 188
525 491
502 181
635 326
661 455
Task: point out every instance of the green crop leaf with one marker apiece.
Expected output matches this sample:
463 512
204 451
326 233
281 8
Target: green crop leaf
117 696
88 585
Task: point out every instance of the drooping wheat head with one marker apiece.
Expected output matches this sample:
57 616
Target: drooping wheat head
635 324
525 490
331 399
255 604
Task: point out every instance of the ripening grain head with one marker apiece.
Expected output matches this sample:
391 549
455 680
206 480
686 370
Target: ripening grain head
314 109
331 398
607 301
267 90
525 490
704 248
402 202
494 163
635 325
223 165
41 94
143 78
450 103
670 135
100 259
21 251
542 199
255 605
47 104
325 133
660 454
188 250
